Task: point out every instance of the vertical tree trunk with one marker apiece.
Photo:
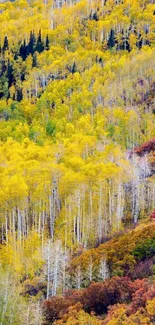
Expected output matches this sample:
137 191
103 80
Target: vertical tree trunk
100 214
48 270
78 216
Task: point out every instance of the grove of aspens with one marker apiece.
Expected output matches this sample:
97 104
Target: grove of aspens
77 162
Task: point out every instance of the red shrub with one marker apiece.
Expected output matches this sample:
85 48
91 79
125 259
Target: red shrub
145 148
141 292
54 308
152 216
98 296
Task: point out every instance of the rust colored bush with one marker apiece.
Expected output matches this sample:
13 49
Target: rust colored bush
54 308
152 216
99 296
145 148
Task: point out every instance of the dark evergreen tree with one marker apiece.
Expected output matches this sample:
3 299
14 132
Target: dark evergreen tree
139 42
19 95
15 56
95 16
9 74
4 92
39 46
125 43
31 44
74 69
100 62
23 51
5 45
2 67
148 42
47 43
111 41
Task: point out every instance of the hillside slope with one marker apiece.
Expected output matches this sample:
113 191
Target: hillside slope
77 148
119 280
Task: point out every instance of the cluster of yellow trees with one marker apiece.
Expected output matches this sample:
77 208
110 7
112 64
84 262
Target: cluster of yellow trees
65 145
75 188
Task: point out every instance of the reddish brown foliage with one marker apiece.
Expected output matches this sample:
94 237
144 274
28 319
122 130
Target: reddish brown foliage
99 296
145 148
139 290
76 295
142 292
55 308
152 216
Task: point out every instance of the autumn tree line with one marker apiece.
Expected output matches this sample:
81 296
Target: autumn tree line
96 21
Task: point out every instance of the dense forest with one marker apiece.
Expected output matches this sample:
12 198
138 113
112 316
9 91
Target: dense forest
77 162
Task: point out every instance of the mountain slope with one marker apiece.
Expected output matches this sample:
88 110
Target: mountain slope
129 260
77 135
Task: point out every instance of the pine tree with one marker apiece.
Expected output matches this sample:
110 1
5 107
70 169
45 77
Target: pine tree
95 16
9 73
47 43
23 51
111 41
5 45
74 69
39 46
19 95
31 44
